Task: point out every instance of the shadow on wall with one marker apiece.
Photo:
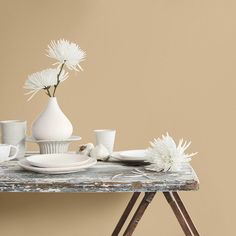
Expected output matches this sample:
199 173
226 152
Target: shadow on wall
45 208
27 201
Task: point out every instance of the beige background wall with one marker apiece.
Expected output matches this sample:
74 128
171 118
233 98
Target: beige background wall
152 67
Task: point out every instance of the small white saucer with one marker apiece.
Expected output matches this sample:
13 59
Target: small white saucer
131 156
139 154
60 170
57 160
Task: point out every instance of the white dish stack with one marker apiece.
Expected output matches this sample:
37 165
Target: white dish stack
57 163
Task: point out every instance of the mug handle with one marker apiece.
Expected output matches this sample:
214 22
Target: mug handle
16 152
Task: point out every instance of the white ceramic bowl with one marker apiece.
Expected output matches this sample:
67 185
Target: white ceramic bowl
52 146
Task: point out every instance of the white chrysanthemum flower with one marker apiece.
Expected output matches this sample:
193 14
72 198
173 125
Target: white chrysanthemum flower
167 155
66 52
43 80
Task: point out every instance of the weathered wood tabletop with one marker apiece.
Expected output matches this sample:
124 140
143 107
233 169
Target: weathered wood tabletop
99 178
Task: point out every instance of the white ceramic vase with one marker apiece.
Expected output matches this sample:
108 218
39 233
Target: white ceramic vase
52 124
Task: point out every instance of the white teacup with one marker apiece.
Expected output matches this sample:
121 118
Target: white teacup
5 150
106 137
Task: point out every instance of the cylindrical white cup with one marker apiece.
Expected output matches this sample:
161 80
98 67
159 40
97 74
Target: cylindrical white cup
5 150
14 132
106 137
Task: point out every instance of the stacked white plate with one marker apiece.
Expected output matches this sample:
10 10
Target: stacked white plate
131 156
57 163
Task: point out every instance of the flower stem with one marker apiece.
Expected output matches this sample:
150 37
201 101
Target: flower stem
48 91
58 79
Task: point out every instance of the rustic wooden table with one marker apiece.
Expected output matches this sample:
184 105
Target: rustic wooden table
110 177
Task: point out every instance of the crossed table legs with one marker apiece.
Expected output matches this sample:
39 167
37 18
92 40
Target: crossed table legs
174 201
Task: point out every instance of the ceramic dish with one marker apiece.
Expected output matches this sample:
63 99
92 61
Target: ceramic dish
53 146
131 156
139 154
70 139
61 170
57 160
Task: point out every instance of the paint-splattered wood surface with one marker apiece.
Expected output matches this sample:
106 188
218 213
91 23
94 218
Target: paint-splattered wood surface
99 178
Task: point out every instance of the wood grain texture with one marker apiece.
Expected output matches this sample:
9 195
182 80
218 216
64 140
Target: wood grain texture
148 197
98 178
126 213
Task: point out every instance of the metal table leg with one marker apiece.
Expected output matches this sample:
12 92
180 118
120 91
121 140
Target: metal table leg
139 213
181 213
126 213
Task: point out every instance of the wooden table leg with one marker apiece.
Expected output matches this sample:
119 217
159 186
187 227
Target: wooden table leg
185 213
126 213
139 213
181 214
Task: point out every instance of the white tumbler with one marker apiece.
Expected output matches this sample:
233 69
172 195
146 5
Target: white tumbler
106 137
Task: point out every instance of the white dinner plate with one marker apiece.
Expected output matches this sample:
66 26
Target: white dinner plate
131 155
60 170
57 160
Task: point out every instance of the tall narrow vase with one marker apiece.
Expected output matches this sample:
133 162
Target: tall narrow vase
52 124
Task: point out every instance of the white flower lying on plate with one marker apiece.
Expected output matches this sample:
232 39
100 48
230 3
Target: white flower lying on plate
66 53
167 155
44 80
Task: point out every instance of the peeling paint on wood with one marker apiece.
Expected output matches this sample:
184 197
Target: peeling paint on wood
96 179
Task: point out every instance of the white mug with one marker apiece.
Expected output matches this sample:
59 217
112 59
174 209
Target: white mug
106 137
5 150
14 132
